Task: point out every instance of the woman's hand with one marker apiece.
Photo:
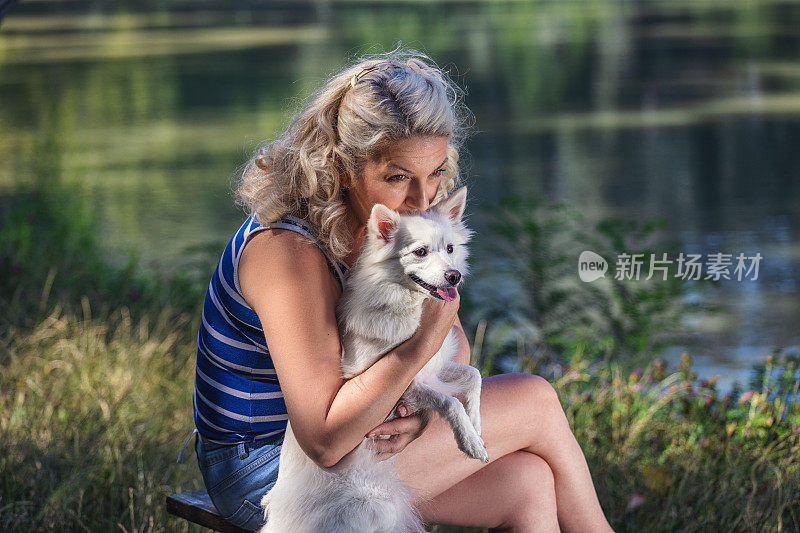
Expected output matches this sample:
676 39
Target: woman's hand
438 316
401 431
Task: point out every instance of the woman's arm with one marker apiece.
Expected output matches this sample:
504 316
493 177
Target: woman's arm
286 281
464 353
410 426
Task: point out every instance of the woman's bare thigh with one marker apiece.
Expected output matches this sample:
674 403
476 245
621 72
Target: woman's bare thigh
433 463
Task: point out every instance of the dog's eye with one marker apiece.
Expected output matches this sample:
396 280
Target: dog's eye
449 248
421 252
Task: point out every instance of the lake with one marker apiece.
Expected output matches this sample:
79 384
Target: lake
686 110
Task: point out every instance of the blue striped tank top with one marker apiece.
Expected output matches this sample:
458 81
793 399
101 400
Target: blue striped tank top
237 397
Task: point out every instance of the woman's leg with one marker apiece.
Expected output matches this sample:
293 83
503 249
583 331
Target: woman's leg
237 476
513 493
519 412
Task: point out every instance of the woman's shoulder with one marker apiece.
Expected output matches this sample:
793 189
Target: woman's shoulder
280 258
279 250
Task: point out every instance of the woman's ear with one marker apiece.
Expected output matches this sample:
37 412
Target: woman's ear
345 180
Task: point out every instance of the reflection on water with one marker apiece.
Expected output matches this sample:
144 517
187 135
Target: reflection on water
686 110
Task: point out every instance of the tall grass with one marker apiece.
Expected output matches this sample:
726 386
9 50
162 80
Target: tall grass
96 367
669 453
92 412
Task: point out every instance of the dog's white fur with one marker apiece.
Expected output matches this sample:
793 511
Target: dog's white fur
380 307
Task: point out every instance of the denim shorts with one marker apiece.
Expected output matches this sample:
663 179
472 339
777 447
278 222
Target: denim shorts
237 476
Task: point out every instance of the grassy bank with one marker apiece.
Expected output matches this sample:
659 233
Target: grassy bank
93 409
96 370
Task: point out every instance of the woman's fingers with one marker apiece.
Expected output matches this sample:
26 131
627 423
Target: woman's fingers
402 409
386 448
437 318
407 424
392 437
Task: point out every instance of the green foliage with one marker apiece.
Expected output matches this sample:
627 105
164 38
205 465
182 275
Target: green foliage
92 411
668 453
96 365
49 254
549 313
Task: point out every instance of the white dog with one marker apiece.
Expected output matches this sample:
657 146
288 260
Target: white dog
405 259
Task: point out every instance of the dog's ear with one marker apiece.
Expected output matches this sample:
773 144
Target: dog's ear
452 207
382 222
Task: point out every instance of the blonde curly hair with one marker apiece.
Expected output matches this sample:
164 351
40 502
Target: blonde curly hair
351 119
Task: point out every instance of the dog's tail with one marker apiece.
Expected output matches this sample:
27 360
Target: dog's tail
413 521
265 501
412 518
265 509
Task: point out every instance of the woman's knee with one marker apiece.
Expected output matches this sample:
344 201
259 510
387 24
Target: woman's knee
531 474
533 397
534 496
528 416
527 388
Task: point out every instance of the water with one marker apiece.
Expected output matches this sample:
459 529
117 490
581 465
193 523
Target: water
689 110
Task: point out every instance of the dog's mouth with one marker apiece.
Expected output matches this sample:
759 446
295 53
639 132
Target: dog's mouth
447 294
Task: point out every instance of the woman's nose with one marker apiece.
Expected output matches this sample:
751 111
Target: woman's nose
418 198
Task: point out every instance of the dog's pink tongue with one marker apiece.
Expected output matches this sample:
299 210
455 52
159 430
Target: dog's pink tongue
447 294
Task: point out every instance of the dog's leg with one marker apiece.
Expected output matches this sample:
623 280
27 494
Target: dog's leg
421 396
467 379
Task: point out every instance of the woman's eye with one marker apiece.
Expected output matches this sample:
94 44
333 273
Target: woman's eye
438 173
421 252
396 177
449 248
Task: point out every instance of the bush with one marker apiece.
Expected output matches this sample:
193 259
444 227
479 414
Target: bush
528 291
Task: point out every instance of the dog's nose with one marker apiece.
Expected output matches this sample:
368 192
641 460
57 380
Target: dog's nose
452 276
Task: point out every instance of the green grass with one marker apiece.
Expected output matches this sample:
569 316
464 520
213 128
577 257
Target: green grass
93 411
96 370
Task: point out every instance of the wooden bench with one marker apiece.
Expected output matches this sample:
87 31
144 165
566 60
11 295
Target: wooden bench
196 507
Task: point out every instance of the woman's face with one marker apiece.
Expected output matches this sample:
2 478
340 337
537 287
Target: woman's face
405 177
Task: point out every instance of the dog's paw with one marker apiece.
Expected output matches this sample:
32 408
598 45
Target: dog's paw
476 423
475 448
483 456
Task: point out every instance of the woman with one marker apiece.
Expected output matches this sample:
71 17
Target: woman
384 130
